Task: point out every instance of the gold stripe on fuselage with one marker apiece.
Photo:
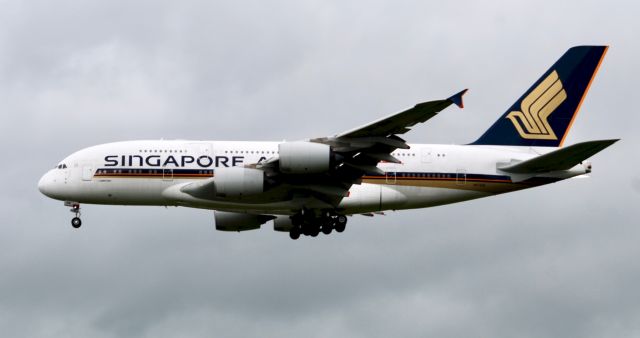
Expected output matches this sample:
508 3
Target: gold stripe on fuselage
482 185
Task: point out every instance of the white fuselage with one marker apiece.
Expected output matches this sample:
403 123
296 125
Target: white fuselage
152 173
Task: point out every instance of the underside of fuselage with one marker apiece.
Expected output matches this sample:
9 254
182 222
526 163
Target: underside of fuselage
402 190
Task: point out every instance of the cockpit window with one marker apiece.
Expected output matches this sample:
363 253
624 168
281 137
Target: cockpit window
61 166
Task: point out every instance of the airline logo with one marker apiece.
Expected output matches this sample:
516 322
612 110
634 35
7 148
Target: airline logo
531 122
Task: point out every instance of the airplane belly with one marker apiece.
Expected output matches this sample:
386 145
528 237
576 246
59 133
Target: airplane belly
362 198
379 197
122 192
372 197
423 197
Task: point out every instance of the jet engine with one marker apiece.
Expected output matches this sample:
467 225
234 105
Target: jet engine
238 181
237 221
304 157
282 223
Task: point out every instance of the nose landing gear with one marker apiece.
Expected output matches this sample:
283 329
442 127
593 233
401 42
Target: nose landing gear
76 222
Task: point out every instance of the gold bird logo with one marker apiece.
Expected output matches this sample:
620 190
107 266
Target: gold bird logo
531 122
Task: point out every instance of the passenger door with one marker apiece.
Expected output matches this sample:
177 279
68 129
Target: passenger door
461 177
390 175
87 172
167 174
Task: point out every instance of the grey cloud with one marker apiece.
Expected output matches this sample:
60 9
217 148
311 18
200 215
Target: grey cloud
553 261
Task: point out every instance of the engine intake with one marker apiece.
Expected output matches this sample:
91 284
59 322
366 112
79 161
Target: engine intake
304 157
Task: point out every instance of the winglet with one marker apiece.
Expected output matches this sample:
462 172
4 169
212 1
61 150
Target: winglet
457 98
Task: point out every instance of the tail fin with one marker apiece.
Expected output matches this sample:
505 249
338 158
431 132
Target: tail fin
543 115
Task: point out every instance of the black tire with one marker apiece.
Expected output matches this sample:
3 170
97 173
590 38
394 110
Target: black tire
296 220
327 228
294 234
342 219
341 223
76 222
313 229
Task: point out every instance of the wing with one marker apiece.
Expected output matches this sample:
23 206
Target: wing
358 151
354 154
400 123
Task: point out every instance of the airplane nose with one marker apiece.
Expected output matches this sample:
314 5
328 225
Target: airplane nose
45 184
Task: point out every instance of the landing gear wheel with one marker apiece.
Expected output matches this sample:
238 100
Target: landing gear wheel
75 209
313 222
341 223
76 222
312 230
326 230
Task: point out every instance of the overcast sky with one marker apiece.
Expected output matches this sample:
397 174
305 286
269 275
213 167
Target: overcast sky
79 73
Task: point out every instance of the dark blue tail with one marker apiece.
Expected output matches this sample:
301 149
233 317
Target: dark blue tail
543 115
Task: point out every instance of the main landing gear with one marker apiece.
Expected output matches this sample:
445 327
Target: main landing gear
308 224
76 222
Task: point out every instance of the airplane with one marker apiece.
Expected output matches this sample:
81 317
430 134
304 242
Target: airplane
310 186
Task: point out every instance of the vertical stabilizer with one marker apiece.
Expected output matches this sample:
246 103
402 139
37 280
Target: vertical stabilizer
543 115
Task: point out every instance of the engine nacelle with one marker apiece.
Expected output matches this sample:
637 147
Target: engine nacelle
238 181
282 223
236 221
304 157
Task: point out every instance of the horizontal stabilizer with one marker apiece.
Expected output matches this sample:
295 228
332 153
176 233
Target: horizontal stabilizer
561 159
